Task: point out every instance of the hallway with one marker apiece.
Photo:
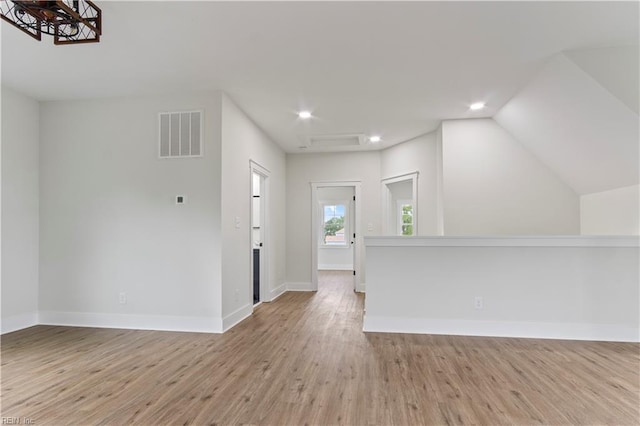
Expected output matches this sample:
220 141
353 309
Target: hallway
303 359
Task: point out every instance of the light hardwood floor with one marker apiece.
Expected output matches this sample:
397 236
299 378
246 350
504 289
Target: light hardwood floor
303 359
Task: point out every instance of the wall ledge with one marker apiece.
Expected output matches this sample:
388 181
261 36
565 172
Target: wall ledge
504 241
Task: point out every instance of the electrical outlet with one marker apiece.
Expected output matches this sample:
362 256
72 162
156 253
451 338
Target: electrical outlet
479 303
122 298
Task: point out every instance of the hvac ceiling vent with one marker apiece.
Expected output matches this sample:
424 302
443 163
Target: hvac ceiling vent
336 141
180 134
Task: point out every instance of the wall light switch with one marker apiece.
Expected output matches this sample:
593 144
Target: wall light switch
479 303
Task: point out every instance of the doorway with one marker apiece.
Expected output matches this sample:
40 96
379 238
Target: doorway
400 205
336 240
259 233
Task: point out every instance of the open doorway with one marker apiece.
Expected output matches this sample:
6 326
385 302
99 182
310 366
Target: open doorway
336 234
400 205
259 233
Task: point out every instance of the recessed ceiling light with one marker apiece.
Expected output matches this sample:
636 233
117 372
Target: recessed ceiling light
375 139
476 106
304 115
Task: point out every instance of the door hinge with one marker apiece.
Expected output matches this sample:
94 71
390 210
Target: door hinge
354 198
354 272
354 235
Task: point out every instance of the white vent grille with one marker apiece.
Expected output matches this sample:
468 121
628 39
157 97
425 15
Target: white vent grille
180 134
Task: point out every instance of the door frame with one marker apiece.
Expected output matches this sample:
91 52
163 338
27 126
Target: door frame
264 230
389 227
315 217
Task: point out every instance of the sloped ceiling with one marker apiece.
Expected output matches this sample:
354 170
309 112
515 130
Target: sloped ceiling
615 68
583 125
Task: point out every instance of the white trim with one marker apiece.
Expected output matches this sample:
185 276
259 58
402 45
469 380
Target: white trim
518 329
439 183
389 226
347 223
235 317
361 288
19 322
335 267
135 322
299 287
277 292
511 241
265 196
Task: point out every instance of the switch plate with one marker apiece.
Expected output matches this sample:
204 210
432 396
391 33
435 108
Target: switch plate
479 303
122 298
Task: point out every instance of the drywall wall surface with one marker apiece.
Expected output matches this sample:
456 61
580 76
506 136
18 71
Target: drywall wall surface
302 170
493 186
20 210
417 155
111 230
615 212
242 142
548 287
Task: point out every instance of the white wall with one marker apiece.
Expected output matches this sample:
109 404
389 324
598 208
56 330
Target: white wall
243 141
336 258
548 287
417 155
493 186
109 222
302 169
615 212
20 240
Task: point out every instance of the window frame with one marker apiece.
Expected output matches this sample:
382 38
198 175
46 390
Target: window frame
347 225
400 204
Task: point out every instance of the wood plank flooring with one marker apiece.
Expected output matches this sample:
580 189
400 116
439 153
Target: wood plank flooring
303 359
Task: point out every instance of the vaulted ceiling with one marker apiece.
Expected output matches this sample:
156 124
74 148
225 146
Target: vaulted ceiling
394 69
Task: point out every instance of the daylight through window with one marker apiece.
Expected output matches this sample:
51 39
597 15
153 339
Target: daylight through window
334 224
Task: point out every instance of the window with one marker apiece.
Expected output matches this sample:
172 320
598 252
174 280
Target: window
405 218
335 224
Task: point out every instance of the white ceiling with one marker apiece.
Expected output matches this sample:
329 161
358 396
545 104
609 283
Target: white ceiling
388 68
576 126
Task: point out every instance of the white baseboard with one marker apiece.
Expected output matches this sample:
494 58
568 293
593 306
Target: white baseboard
277 292
335 267
564 331
19 322
361 288
136 322
236 317
299 287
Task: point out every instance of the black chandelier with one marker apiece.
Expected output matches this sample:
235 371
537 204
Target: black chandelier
68 21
